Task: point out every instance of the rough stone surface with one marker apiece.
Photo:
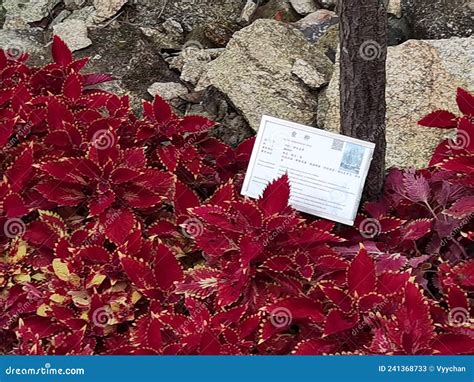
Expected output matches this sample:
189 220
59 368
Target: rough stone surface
394 7
167 90
304 7
422 76
254 72
435 19
107 8
130 57
276 10
74 33
399 30
60 18
20 13
31 41
168 36
189 14
86 14
316 24
192 63
328 4
248 11
309 74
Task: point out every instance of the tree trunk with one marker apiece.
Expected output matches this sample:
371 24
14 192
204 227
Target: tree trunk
363 36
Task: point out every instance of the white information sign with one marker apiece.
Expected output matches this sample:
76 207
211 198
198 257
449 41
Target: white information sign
327 171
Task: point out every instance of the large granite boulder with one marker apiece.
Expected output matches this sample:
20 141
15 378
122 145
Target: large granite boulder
422 76
255 72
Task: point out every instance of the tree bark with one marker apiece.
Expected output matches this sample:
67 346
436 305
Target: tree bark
363 52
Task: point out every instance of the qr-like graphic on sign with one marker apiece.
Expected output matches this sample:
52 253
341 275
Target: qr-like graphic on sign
337 145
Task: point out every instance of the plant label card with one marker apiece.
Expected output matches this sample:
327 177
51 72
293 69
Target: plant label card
327 171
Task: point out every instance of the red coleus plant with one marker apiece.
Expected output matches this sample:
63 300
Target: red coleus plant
126 235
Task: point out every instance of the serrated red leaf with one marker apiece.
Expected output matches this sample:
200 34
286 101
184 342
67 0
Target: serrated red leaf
72 87
61 53
441 118
465 102
167 269
361 277
275 196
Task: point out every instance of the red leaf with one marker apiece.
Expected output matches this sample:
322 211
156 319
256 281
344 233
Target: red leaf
61 53
337 321
121 227
162 110
453 344
167 269
72 87
465 102
195 124
416 229
19 173
275 197
97 78
440 118
461 208
95 254
169 156
361 274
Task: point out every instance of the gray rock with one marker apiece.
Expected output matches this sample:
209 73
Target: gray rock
422 76
74 4
60 18
20 13
188 13
86 14
105 9
304 7
328 4
394 7
248 11
17 42
162 38
74 34
168 90
130 57
309 74
276 10
173 27
399 30
316 24
192 63
435 19
254 72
